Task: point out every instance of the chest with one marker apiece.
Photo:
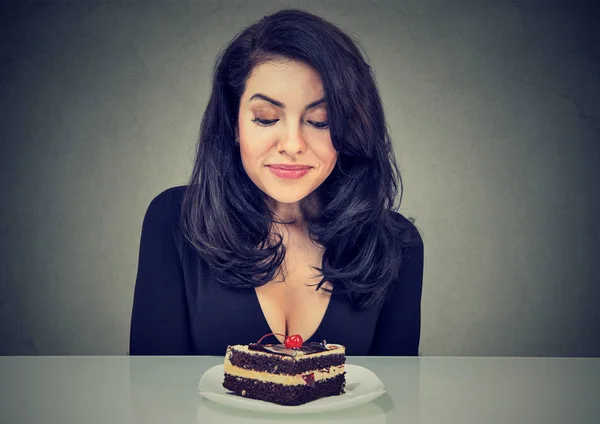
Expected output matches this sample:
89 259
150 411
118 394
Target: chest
220 315
290 303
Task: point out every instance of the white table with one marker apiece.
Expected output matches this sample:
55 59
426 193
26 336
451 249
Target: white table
419 390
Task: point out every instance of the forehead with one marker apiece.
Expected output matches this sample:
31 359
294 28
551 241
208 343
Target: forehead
288 81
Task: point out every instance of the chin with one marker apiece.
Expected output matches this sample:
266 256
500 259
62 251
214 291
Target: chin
282 196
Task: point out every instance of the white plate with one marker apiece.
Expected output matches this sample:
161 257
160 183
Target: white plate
362 386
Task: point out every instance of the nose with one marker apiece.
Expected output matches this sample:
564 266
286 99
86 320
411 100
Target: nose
293 142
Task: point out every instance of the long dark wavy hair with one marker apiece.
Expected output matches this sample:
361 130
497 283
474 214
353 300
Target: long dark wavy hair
226 218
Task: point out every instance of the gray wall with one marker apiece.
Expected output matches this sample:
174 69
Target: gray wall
493 110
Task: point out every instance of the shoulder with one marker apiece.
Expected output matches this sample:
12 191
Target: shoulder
162 216
170 197
411 257
166 204
401 219
406 232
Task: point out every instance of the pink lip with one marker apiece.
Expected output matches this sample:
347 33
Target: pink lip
284 166
289 171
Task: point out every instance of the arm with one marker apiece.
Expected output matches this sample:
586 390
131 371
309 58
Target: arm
159 320
398 329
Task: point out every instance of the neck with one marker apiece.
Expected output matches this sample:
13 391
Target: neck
293 218
295 214
288 213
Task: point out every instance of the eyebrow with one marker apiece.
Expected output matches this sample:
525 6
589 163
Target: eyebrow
281 105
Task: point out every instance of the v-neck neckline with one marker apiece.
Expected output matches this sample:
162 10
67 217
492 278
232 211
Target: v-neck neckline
319 329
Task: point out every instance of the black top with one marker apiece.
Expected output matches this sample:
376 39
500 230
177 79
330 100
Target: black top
180 309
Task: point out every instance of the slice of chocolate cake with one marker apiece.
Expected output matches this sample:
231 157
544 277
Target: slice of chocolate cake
285 375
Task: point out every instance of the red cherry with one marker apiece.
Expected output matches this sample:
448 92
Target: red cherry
293 342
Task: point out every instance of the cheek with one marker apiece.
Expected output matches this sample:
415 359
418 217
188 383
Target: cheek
326 153
248 144
331 160
251 148
256 142
249 155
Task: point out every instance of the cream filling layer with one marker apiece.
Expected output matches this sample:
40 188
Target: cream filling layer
288 380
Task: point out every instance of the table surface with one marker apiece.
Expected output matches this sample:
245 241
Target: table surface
121 389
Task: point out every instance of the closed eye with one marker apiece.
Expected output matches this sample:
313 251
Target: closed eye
264 122
319 124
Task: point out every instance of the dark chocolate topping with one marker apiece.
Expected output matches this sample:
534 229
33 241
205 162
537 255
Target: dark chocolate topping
279 349
314 347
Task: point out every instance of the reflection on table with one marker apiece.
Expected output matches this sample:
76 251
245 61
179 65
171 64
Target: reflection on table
419 390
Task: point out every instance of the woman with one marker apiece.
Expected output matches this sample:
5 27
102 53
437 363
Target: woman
286 225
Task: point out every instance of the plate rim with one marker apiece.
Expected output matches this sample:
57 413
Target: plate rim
269 407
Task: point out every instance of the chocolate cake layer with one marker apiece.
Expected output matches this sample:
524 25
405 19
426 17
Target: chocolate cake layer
275 365
284 394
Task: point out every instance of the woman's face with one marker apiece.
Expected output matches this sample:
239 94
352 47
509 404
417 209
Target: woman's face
283 130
